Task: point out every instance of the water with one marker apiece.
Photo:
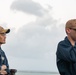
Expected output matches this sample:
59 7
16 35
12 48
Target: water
35 73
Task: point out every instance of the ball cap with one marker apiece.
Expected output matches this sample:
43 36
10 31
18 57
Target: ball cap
2 30
71 24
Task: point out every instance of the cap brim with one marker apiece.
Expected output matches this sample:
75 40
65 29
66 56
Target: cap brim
7 30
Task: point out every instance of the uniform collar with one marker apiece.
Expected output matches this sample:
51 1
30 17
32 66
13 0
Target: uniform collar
68 42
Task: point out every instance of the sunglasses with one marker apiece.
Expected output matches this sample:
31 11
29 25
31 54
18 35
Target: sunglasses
73 29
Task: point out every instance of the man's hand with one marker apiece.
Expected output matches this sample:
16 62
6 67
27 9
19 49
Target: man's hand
3 67
3 72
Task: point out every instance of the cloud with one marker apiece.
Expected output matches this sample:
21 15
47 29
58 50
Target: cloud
34 43
33 46
35 39
29 6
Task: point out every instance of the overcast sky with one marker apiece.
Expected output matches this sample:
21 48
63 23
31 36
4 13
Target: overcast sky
36 28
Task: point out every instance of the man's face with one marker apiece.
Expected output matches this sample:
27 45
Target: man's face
2 38
72 33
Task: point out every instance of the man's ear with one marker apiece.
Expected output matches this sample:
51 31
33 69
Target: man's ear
68 30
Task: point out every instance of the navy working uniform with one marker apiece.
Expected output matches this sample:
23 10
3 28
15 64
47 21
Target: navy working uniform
66 57
3 60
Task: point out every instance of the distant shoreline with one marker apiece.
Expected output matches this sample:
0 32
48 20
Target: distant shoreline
38 72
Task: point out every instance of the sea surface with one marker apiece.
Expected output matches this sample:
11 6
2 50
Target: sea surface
36 73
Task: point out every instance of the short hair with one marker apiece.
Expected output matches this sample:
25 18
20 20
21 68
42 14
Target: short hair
71 24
